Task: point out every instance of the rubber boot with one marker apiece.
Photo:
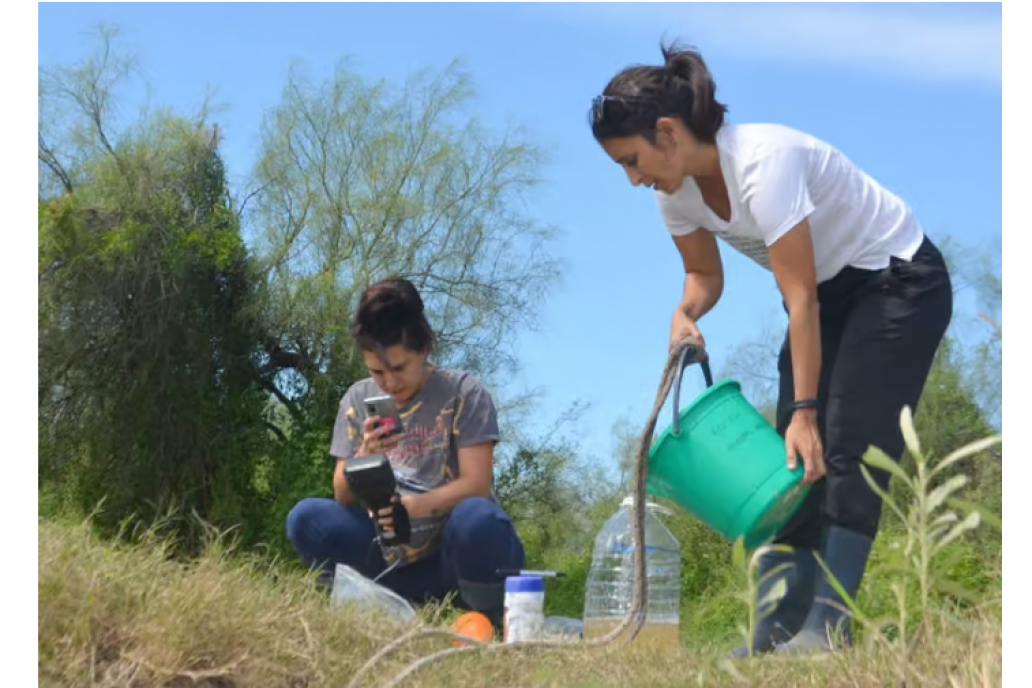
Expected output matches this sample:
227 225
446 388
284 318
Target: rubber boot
845 553
778 622
486 598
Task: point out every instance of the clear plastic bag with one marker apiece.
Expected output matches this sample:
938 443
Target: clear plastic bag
350 586
563 628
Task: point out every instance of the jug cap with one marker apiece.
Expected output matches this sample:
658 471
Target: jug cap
649 504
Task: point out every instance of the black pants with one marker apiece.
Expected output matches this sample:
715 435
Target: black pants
880 330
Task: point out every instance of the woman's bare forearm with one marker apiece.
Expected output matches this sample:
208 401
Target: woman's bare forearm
700 294
341 491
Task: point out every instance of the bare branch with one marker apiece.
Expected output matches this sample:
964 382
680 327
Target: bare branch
276 431
47 157
270 387
997 327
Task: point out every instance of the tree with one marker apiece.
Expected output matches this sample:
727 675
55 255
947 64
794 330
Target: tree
147 402
545 487
76 106
753 363
977 278
356 182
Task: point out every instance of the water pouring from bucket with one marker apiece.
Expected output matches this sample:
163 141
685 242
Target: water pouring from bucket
721 461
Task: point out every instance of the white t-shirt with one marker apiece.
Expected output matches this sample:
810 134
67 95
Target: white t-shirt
776 177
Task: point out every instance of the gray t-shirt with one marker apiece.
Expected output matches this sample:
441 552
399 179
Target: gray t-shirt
453 410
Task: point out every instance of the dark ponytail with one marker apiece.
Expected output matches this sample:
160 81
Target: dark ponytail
390 312
639 95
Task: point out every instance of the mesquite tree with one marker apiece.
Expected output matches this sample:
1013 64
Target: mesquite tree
357 181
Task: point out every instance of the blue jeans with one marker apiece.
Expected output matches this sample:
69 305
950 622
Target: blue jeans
478 539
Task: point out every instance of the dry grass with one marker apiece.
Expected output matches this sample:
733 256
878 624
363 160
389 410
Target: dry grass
119 616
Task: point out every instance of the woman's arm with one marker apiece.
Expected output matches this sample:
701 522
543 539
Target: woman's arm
476 465
345 444
703 273
341 492
791 259
778 196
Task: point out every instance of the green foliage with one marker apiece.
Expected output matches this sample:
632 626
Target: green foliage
949 416
551 495
965 579
930 523
707 557
147 401
146 394
288 471
360 180
565 596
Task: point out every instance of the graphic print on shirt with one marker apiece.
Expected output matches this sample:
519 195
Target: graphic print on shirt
754 249
420 464
426 455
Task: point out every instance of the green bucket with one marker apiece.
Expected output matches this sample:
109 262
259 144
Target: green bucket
722 462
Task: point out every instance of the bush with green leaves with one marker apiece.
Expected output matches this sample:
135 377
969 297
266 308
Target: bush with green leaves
146 395
919 578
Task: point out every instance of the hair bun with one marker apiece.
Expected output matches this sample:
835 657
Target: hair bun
391 312
681 86
679 63
410 295
391 298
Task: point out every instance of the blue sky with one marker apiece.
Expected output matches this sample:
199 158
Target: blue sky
912 92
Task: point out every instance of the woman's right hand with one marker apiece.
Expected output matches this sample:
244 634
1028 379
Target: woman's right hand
683 326
373 440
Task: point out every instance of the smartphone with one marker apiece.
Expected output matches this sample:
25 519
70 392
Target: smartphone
387 411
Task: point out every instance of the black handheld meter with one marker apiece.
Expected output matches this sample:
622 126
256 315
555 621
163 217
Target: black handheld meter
371 479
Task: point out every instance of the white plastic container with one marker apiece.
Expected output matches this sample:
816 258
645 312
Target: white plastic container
524 608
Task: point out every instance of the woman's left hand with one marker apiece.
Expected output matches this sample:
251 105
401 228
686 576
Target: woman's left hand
386 518
802 438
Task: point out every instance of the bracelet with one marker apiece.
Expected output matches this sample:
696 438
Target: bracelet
804 404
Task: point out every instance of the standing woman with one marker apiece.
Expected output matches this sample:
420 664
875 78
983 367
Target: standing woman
868 297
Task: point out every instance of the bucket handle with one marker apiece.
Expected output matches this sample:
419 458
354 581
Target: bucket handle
688 355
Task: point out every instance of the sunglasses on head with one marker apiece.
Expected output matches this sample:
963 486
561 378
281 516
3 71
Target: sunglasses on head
603 107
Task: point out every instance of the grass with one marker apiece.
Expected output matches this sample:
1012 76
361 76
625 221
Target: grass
132 615
112 615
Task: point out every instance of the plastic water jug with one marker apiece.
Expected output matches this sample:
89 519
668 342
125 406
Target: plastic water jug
610 586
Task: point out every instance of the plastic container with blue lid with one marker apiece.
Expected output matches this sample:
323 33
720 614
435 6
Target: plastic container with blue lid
524 608
518 584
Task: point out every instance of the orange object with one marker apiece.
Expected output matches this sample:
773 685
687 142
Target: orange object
473 625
